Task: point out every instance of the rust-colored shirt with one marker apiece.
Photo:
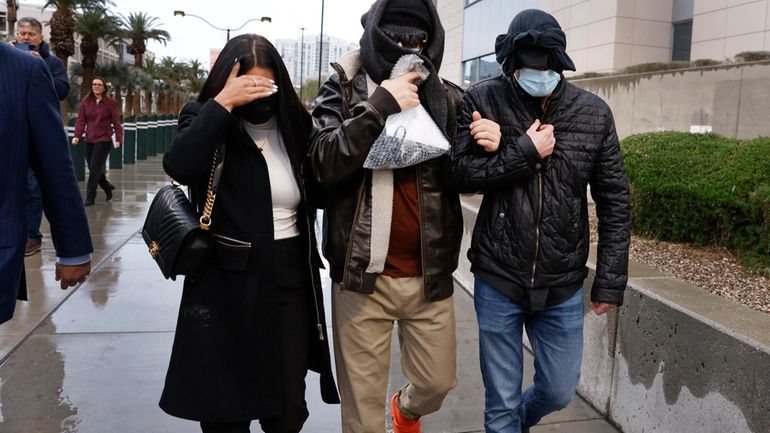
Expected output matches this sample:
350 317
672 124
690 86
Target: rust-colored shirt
404 259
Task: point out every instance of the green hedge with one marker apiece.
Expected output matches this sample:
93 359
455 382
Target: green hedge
702 188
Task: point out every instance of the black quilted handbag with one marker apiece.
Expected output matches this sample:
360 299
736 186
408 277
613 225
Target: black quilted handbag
178 237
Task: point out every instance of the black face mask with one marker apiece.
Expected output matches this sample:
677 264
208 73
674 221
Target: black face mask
256 112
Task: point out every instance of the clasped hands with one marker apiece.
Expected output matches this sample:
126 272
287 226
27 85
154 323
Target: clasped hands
487 134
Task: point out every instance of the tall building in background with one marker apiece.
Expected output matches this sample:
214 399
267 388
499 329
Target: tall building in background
607 35
213 56
305 67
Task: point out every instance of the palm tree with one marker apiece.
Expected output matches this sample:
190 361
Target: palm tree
93 24
63 25
131 84
150 84
116 73
138 28
11 15
175 76
196 76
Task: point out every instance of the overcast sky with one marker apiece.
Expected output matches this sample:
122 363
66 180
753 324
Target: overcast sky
192 38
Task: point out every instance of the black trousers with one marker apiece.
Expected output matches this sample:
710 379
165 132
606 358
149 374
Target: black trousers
96 157
292 275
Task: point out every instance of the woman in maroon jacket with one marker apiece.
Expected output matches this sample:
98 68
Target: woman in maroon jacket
99 118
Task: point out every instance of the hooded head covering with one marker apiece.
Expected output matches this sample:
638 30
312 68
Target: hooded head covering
534 39
390 21
407 21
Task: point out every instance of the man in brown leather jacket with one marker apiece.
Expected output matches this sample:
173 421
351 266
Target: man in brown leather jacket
407 277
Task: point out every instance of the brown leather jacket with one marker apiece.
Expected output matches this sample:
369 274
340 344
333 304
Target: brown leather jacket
348 121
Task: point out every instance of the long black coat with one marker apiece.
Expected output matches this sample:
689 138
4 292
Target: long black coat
225 364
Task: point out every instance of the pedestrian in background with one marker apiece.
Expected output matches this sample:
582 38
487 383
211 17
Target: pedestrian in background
32 135
389 266
252 324
99 119
29 38
531 239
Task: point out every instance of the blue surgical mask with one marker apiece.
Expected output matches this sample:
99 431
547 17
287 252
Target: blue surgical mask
538 83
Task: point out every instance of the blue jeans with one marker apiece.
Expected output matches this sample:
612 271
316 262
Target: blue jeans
34 207
556 335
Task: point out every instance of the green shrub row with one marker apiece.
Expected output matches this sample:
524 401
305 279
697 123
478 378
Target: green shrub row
702 188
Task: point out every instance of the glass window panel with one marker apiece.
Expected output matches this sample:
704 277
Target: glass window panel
488 67
469 72
682 41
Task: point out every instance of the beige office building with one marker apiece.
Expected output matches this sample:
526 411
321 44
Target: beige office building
607 35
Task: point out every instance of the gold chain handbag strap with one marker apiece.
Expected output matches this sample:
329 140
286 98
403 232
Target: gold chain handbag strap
205 219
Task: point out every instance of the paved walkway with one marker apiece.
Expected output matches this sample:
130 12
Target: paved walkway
93 359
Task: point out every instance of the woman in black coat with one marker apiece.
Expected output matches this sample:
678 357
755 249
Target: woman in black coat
252 323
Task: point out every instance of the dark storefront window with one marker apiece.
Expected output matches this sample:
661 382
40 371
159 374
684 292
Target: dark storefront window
682 41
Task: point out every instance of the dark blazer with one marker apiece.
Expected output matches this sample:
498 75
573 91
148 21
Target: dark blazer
60 81
32 134
224 364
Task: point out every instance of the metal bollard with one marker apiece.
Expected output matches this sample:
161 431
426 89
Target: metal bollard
116 154
77 151
152 135
129 140
141 138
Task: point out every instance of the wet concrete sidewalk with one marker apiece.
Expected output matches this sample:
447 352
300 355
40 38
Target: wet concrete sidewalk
93 359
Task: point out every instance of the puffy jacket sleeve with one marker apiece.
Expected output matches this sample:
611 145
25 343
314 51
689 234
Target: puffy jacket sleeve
474 170
200 130
341 140
610 191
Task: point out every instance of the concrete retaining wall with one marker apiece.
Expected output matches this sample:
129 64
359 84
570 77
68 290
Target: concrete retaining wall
673 359
731 100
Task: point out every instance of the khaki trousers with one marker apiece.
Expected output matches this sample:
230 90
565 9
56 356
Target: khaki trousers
363 325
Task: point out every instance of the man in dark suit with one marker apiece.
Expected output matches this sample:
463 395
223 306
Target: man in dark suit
29 34
32 134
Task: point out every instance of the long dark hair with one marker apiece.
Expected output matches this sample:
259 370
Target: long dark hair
251 51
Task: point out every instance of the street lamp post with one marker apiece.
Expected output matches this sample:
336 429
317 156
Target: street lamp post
321 47
227 29
301 61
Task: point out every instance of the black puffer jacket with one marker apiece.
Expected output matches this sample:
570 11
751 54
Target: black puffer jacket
532 234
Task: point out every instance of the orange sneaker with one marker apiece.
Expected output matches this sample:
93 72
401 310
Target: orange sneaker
402 424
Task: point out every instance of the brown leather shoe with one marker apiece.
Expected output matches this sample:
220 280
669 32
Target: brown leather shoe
32 248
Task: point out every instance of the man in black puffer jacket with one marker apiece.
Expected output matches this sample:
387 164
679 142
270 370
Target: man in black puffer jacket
533 143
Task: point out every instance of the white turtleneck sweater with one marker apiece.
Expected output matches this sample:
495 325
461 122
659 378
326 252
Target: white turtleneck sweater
283 186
